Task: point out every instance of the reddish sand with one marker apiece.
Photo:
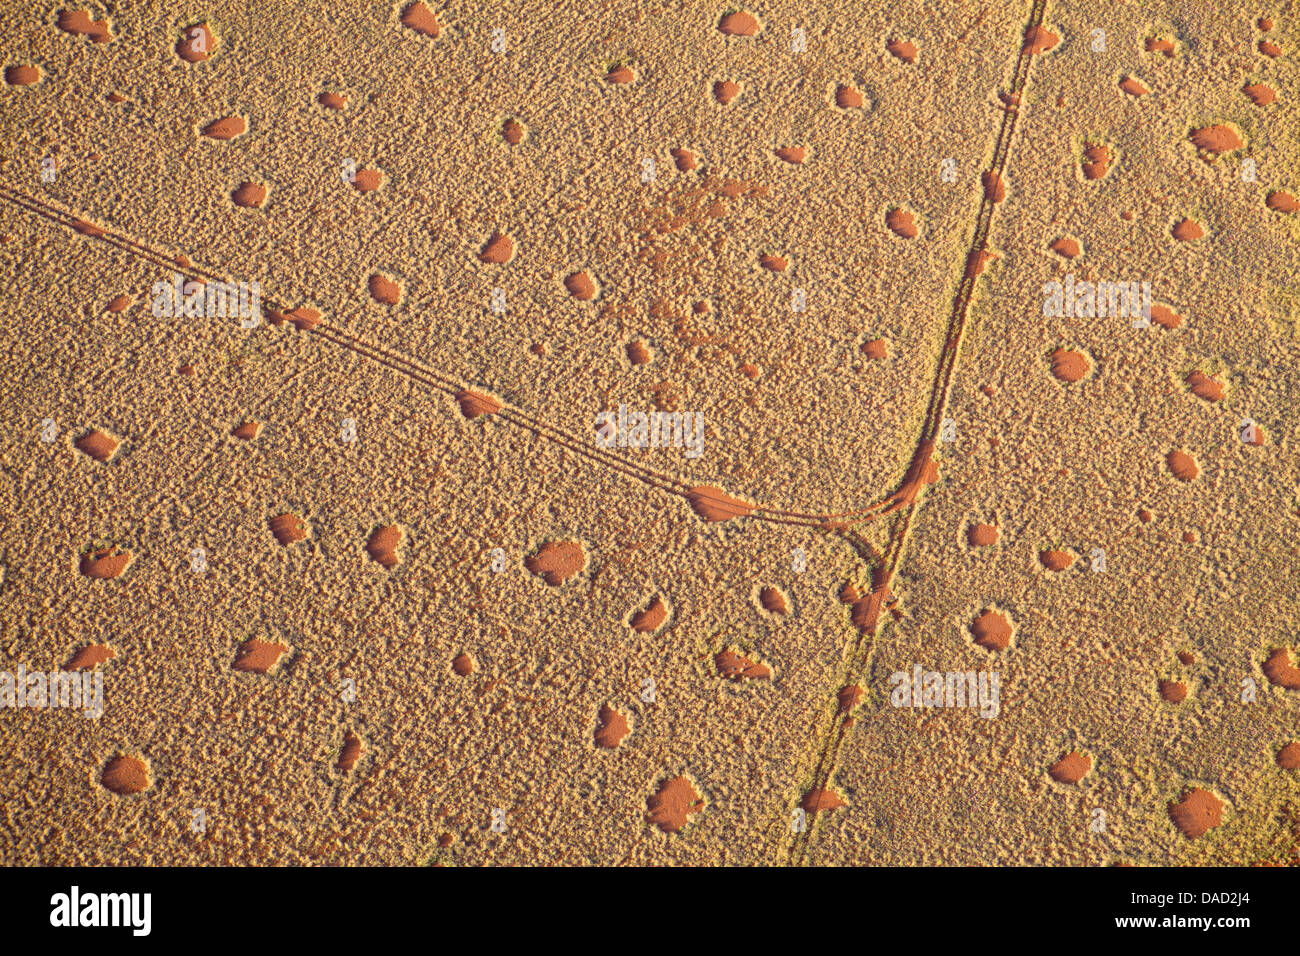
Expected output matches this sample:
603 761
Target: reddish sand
1066 247
1186 657
1039 39
1165 317
774 601
256 656
902 49
638 353
90 657
418 17
901 223
383 545
1206 387
249 195
247 431
611 728
1162 45
1261 94
105 563
79 21
288 528
22 75
462 665
499 249
1288 757
556 562
474 404
724 91
197 43
1197 813
125 775
981 535
1055 560
581 286
991 630
367 180
384 290
1188 230
98 445
1211 142
621 74
848 97
1097 158
1071 768
734 666
713 504
1069 365
334 101
822 798
227 128
1133 86
120 303
1280 670
739 23
876 349
350 753
1182 466
792 154
652 618
1173 691
1280 200
773 263
672 804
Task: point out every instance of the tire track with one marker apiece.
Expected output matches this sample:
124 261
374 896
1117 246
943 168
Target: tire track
866 616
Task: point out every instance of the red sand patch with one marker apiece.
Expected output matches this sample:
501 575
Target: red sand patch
90 657
581 286
671 806
1097 158
848 97
84 228
651 618
638 353
1288 757
383 545
79 22
22 75
1182 466
1269 48
876 349
1206 387
1280 670
739 24
995 189
1261 94
902 49
1165 317
713 504
991 630
1279 200
724 91
1071 768
981 535
418 17
98 445
367 180
1165 46
1172 691
125 775
901 223
249 195
557 561
1197 813
227 128
513 132
120 303
288 528
1069 365
247 431
821 798
334 101
499 249
849 697
793 154
1188 230
734 666
1186 658
384 290
611 728
473 404
256 656
1211 142
1055 560
350 753
1066 247
773 601
196 43
1133 86
106 563
684 159
462 665
773 263
1039 39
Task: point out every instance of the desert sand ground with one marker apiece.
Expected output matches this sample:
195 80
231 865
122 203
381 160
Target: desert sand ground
363 587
